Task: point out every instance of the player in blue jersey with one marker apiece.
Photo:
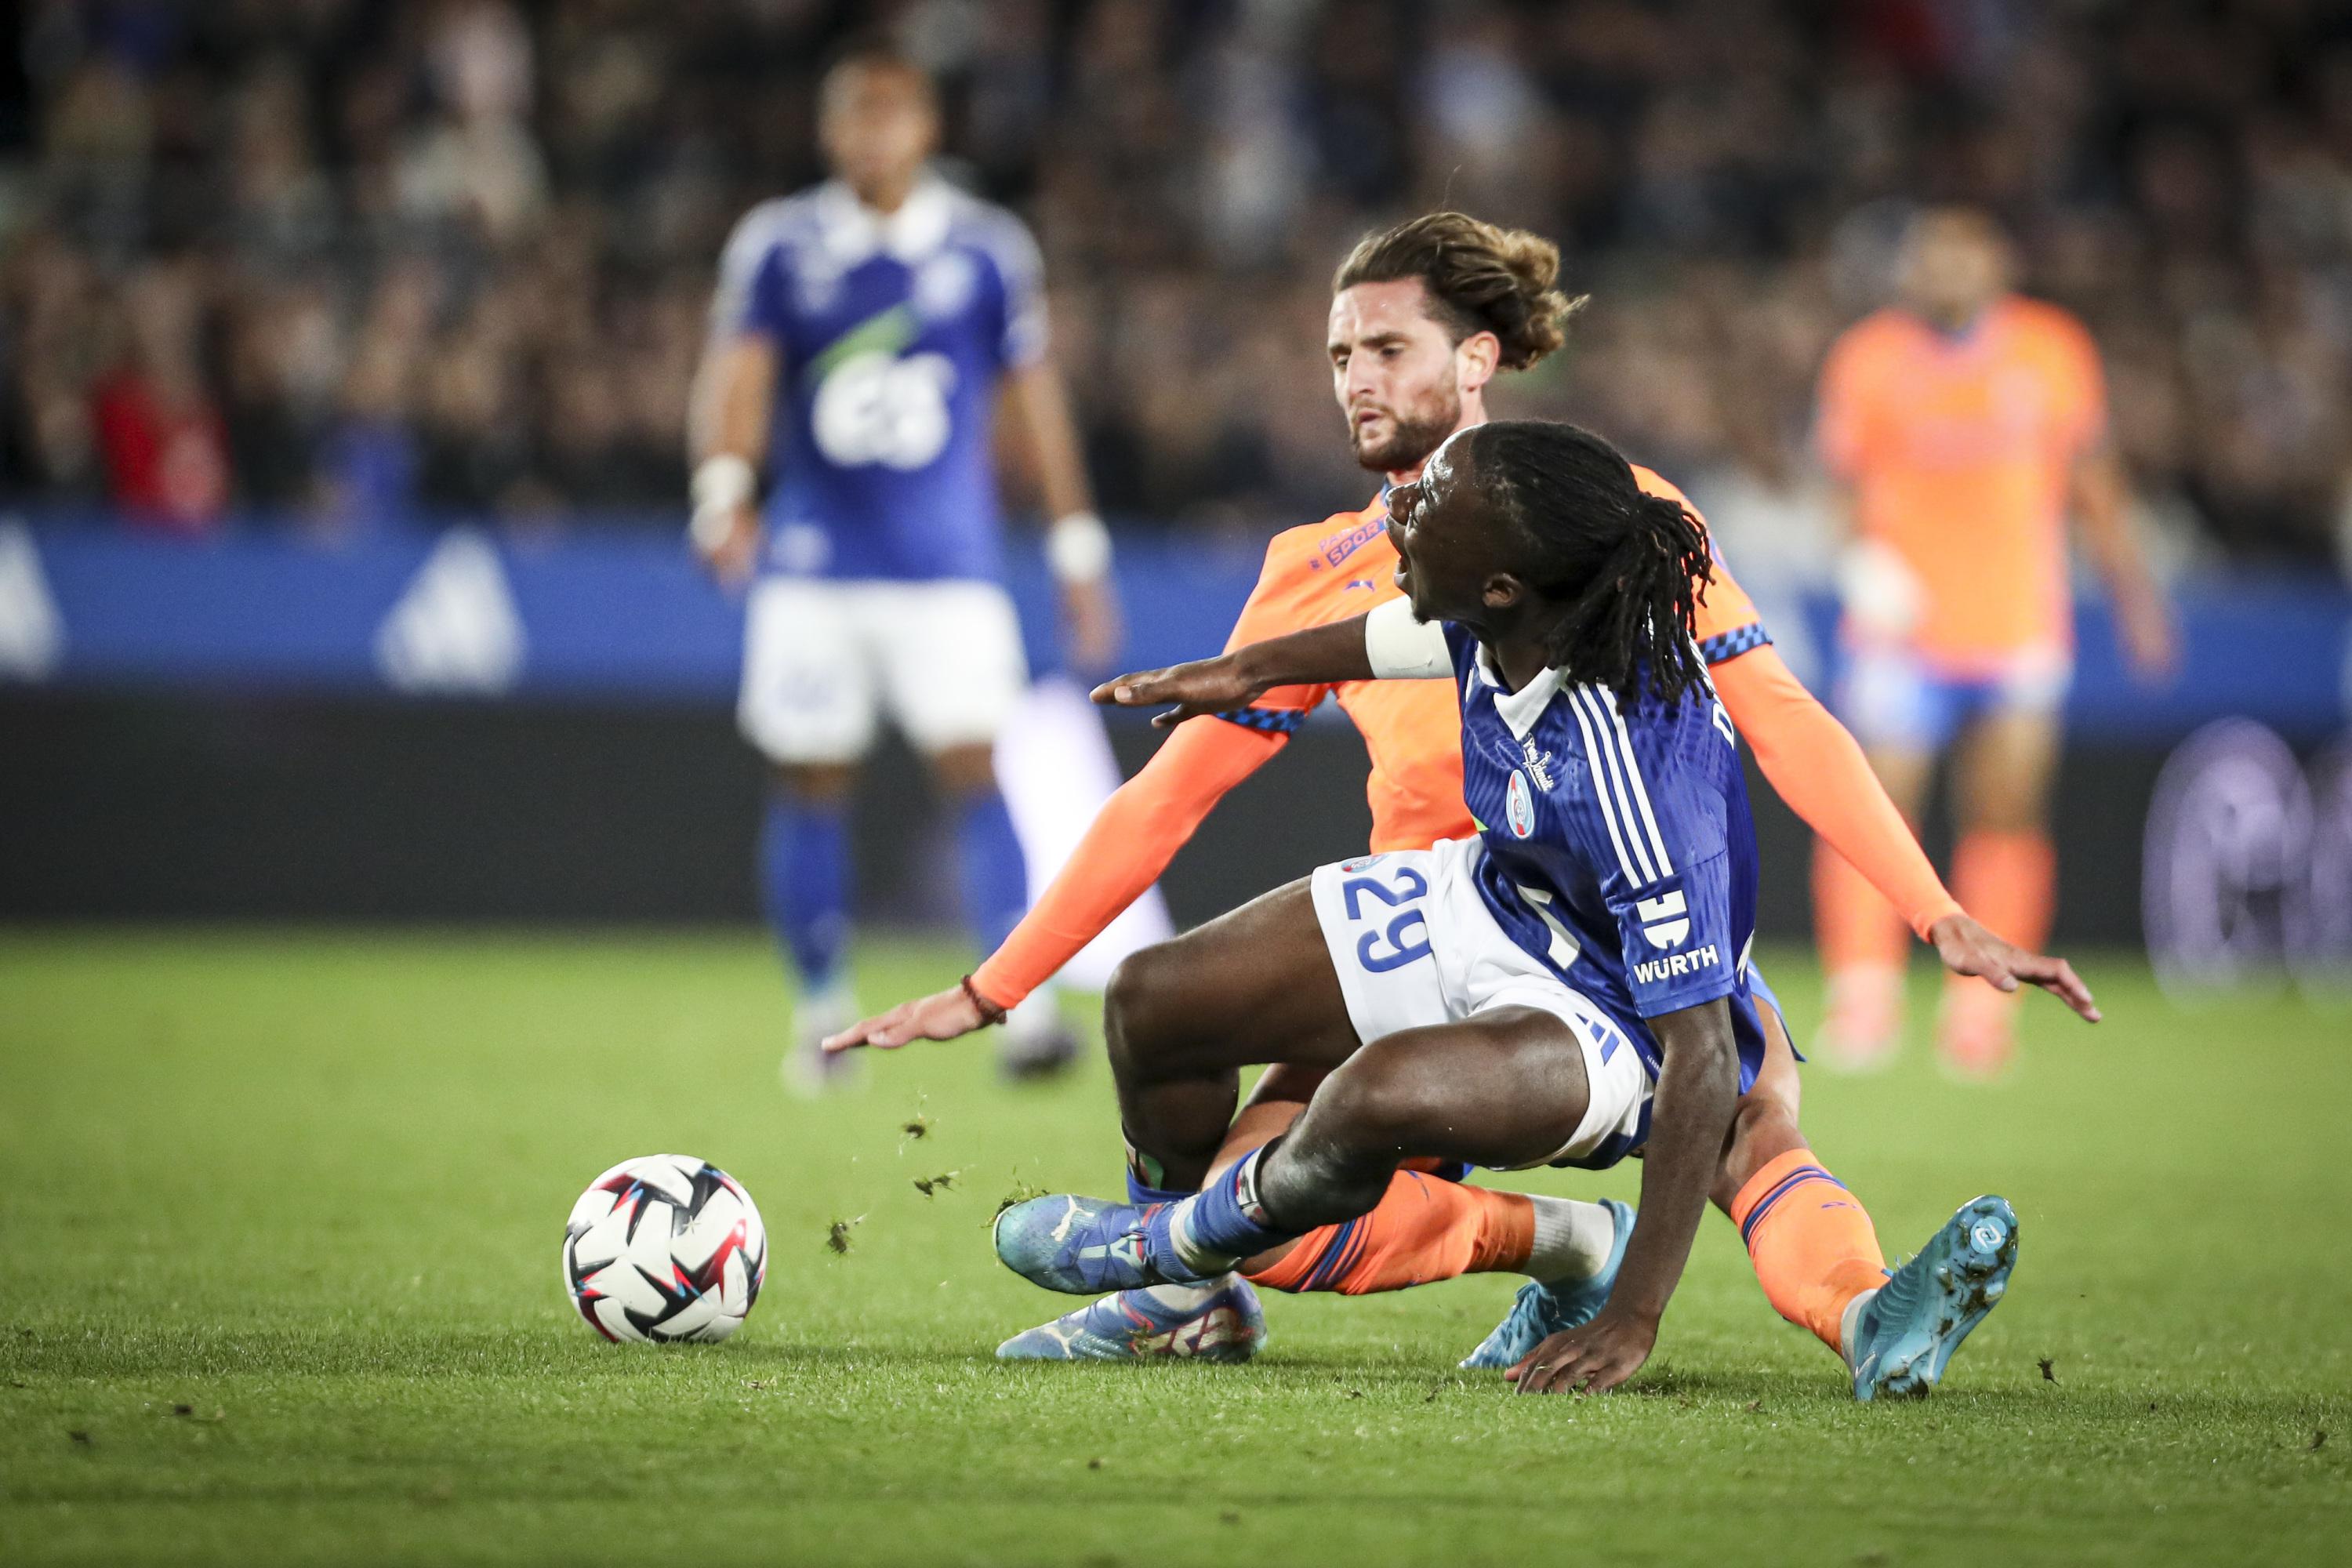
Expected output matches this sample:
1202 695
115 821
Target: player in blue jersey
862 335
1567 987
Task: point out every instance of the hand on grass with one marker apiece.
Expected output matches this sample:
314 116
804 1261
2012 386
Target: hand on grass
1593 1359
1968 948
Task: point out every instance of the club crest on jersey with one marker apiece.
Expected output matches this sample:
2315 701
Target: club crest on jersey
944 286
1520 805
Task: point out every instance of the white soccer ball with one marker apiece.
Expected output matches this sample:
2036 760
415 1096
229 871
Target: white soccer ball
665 1247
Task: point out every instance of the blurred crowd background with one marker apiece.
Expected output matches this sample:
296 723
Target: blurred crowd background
335 264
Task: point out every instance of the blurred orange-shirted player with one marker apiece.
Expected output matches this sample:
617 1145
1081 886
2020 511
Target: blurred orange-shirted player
1964 424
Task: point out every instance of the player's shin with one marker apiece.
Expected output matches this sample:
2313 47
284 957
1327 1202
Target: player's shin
1227 1221
1815 1250
995 897
996 878
2008 879
1426 1229
1864 946
805 885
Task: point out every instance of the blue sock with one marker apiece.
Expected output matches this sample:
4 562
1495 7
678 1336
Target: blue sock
1137 1193
1142 1170
804 883
995 878
1220 1224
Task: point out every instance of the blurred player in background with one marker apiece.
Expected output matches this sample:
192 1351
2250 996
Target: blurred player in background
861 333
1963 425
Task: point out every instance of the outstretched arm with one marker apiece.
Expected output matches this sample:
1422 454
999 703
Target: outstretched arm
1698 1088
1387 644
1134 836
1318 656
1817 766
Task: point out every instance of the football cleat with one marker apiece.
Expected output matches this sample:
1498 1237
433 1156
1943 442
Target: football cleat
1034 1055
1132 1325
1083 1245
1906 1331
1861 1031
1541 1310
1977 1041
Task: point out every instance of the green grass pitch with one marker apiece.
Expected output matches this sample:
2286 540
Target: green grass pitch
281 1217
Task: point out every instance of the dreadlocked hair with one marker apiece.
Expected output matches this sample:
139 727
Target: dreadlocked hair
1628 563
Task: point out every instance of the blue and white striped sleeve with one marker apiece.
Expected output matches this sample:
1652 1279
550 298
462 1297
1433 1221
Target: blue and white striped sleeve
1666 867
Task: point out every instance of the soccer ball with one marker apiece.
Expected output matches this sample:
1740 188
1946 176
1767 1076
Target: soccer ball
665 1247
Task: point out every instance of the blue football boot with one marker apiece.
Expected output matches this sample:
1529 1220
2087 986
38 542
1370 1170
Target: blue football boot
1132 1325
1542 1310
1906 1331
1082 1246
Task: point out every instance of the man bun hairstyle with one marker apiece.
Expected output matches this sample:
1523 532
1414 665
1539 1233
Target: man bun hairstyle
1481 277
1629 564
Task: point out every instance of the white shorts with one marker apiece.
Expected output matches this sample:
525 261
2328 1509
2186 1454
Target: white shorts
1414 944
822 660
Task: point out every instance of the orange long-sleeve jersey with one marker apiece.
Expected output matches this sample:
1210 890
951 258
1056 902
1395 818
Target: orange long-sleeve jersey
1962 452
1341 568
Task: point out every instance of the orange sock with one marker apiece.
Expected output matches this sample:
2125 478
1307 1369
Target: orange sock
2009 881
1858 929
1422 1229
1812 1244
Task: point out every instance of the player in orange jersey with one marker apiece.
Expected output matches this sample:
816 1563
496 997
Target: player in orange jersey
1964 426
1422 317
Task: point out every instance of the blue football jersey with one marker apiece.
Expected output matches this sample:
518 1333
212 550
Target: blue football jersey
1619 850
892 333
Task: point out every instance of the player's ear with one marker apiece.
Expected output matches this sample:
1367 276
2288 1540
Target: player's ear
1475 359
1501 591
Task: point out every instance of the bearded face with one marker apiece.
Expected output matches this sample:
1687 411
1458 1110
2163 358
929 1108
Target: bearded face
1392 440
1394 374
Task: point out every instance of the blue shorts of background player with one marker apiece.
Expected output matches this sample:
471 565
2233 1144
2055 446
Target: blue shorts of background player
1894 699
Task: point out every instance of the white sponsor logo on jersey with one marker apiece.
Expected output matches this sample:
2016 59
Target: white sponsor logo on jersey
1659 919
875 409
1652 970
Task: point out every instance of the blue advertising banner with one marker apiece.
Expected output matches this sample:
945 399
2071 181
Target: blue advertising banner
628 616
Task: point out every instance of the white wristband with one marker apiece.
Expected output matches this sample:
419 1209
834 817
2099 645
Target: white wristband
1402 648
1883 595
1077 547
721 484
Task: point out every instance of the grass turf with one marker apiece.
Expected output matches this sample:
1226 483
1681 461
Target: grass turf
281 1217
